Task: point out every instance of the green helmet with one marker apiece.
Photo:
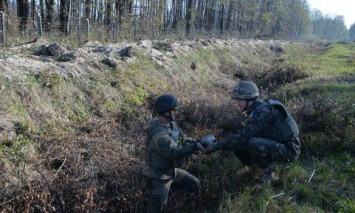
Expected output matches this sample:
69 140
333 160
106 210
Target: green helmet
245 90
165 103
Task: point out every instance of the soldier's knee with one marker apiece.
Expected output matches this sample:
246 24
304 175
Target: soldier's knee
194 186
259 145
259 152
256 145
197 186
252 143
196 181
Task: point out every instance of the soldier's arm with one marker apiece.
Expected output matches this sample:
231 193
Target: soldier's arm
253 127
183 137
167 148
186 140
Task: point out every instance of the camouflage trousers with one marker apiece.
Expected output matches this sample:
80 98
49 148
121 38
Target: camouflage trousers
263 152
159 189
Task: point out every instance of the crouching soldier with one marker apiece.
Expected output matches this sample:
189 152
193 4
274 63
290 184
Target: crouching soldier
270 133
165 150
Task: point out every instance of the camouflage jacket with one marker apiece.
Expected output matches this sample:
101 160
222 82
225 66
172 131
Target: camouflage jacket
266 119
165 147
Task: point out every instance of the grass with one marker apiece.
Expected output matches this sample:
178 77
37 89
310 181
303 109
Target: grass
331 188
336 59
85 136
299 191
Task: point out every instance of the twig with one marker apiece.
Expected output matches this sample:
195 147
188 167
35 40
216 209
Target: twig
278 195
61 166
314 171
292 197
8 201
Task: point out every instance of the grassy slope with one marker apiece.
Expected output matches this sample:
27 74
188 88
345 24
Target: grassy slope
322 178
77 140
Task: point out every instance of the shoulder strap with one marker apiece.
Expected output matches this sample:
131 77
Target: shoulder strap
288 118
279 106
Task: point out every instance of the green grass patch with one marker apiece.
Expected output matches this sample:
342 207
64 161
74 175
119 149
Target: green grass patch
339 90
337 59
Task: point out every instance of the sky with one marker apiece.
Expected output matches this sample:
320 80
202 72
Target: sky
345 8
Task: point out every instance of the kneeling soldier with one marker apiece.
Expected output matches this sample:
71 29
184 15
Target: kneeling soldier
270 133
165 150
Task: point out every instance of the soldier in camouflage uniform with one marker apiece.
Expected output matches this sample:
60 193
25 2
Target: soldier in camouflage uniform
270 133
165 150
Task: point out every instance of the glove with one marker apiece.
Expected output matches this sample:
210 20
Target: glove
210 149
206 141
199 146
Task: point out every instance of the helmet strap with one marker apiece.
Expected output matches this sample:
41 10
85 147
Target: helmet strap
246 106
168 117
248 101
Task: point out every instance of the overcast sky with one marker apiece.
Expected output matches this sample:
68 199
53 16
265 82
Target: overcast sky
345 8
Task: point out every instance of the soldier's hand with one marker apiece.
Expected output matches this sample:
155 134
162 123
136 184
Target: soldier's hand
199 146
210 149
206 141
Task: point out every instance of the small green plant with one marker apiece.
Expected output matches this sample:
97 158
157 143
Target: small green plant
49 79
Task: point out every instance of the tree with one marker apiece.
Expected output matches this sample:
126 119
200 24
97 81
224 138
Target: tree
108 13
249 18
50 12
352 32
64 15
325 27
299 25
41 7
265 19
189 16
33 8
161 15
22 13
221 19
287 19
176 12
230 14
123 7
87 8
4 4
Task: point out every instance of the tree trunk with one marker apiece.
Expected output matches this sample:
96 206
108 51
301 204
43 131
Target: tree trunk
99 11
4 4
162 15
87 9
22 13
33 8
189 19
95 11
177 4
41 7
230 14
64 14
123 7
221 20
50 13
108 13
